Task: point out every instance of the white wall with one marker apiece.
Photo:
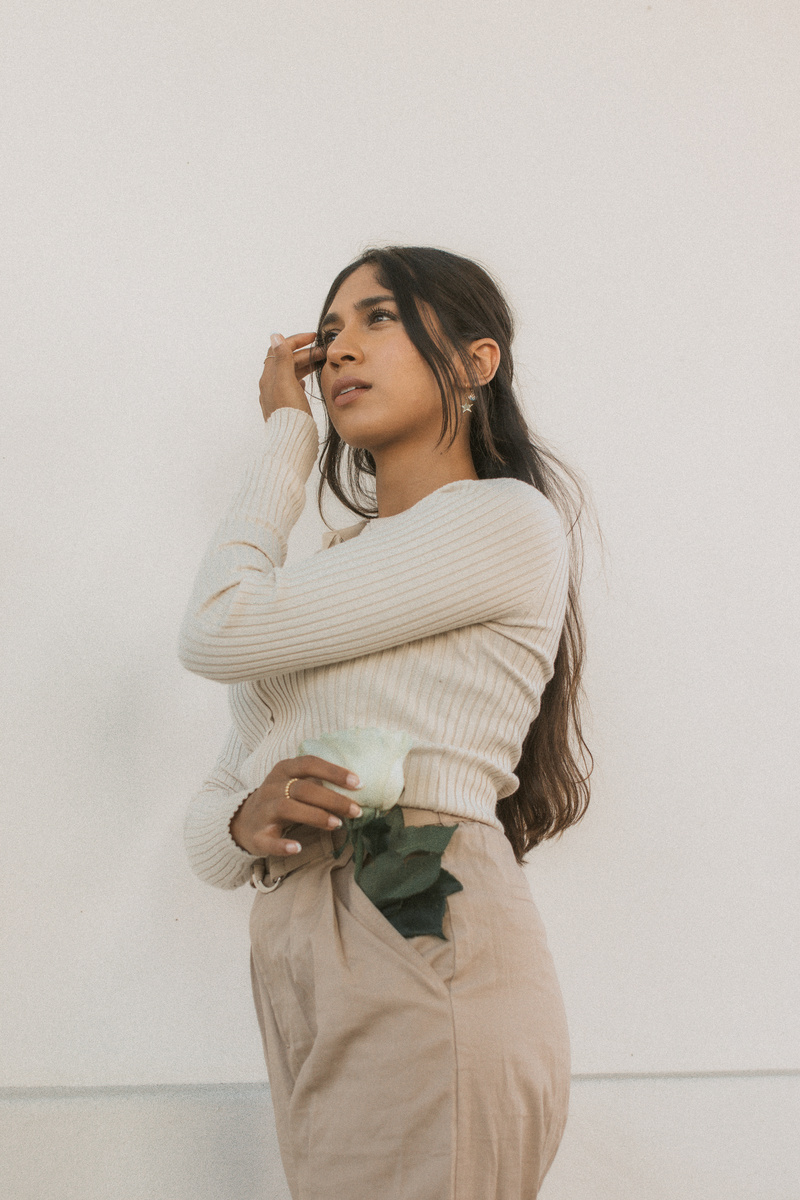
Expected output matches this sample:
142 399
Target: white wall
627 1138
185 178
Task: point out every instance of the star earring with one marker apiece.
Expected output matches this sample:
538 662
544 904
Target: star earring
466 405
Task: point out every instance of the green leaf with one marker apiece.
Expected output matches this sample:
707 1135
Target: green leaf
396 821
367 815
448 884
375 836
399 869
423 913
390 877
418 915
422 837
358 853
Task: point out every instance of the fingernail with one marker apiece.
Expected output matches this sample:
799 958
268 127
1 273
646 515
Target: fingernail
294 847
353 781
333 822
275 339
355 810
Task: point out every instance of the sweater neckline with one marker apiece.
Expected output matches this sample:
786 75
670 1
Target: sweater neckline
452 483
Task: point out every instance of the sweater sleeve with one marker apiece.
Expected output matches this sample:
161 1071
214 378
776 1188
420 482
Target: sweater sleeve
473 551
213 854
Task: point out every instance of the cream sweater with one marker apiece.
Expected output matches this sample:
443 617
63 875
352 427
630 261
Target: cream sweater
443 620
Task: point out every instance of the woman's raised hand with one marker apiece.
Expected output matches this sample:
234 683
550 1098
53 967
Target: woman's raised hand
289 360
259 822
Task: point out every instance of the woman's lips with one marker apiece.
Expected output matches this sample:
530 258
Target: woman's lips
344 397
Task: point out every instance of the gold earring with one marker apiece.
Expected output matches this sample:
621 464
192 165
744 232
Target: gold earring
466 405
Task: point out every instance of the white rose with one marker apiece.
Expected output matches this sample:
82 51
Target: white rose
376 756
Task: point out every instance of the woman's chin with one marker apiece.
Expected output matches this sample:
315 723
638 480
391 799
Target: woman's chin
363 434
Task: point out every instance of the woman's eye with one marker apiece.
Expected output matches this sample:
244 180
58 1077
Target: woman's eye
380 312
375 312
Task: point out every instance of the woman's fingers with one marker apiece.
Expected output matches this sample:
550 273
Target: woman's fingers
294 349
305 358
295 340
312 804
309 814
308 804
311 766
274 843
270 843
280 386
310 360
259 823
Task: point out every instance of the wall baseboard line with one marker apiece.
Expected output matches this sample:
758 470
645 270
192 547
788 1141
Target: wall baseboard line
757 1073
197 1090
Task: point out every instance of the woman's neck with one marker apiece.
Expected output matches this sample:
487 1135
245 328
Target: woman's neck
404 476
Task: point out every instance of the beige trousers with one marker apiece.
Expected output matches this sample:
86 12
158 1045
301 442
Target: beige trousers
410 1068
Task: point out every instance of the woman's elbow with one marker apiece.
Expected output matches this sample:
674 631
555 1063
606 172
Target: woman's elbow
222 656
203 653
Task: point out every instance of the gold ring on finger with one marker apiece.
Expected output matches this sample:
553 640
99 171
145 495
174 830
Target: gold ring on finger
286 791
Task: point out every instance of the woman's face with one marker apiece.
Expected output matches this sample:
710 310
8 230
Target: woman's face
368 341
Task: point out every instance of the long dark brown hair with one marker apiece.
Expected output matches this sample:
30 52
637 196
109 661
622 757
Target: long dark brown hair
553 792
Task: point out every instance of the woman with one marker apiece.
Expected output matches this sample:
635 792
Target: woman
436 1066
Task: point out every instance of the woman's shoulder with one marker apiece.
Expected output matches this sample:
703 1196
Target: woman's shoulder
501 497
500 500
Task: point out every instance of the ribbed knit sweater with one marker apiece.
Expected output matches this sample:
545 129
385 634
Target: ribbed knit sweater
443 620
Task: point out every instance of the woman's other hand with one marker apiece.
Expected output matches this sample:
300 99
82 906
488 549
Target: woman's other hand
259 822
289 360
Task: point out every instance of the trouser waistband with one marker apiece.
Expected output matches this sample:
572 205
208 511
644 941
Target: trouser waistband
269 872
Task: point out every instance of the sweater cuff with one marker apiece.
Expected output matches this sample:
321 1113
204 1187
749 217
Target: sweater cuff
213 854
273 492
293 431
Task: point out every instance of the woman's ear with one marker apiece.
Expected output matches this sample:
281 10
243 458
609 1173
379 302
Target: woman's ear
485 355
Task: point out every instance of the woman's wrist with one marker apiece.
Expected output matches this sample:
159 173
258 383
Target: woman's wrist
305 408
237 826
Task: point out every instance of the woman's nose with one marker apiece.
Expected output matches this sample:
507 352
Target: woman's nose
343 346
